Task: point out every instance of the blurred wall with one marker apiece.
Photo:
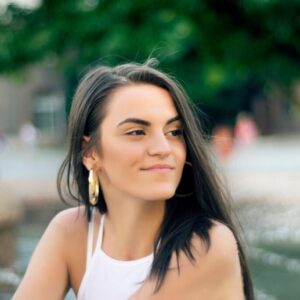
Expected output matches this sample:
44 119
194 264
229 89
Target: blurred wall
38 96
14 105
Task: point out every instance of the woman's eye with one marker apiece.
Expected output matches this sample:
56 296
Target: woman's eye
136 132
176 132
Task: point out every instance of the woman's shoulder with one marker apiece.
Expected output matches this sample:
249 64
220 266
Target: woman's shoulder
72 223
71 227
65 226
213 274
222 246
222 250
222 240
219 264
55 254
70 218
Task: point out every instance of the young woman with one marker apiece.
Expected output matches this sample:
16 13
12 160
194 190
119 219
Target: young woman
154 223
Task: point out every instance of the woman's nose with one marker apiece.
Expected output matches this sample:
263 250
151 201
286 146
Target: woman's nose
159 145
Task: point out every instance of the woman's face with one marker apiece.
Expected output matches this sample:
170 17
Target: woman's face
142 150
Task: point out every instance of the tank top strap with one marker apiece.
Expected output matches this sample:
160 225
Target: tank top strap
90 241
100 233
91 225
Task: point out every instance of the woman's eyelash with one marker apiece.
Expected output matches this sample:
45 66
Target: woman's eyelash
135 132
175 132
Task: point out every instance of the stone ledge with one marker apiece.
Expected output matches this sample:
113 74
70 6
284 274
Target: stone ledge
11 209
265 186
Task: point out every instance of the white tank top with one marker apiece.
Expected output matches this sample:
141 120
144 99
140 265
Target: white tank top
108 278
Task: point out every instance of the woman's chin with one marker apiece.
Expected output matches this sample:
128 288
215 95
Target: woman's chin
158 195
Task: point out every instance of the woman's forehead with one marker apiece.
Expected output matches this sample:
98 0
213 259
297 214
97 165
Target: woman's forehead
140 100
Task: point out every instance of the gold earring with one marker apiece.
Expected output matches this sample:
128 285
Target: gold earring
93 188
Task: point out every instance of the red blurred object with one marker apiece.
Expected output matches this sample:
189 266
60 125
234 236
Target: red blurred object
222 141
245 131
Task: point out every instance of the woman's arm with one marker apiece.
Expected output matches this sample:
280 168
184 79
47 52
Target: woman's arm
47 274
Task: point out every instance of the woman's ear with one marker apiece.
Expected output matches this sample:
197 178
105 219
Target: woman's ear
90 157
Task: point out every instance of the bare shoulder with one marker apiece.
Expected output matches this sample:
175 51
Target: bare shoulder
70 227
222 254
67 226
53 255
223 242
223 247
214 274
70 219
218 268
74 214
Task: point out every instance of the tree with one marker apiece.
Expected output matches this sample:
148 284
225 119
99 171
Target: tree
224 52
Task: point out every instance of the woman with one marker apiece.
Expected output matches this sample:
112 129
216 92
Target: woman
154 222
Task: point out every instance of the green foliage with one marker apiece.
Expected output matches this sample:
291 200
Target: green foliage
222 51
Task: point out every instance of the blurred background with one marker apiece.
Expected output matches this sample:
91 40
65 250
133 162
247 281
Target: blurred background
239 61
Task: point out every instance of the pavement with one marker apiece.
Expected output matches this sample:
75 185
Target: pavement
267 170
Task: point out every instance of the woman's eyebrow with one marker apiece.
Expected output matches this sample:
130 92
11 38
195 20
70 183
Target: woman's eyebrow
145 122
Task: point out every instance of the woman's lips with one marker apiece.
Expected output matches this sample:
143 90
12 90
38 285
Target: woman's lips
159 168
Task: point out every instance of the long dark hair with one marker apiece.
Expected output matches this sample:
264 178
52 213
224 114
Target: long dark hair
183 217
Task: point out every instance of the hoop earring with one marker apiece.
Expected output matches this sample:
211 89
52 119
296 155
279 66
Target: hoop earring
93 188
188 180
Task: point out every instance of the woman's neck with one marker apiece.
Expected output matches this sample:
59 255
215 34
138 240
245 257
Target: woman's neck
131 228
